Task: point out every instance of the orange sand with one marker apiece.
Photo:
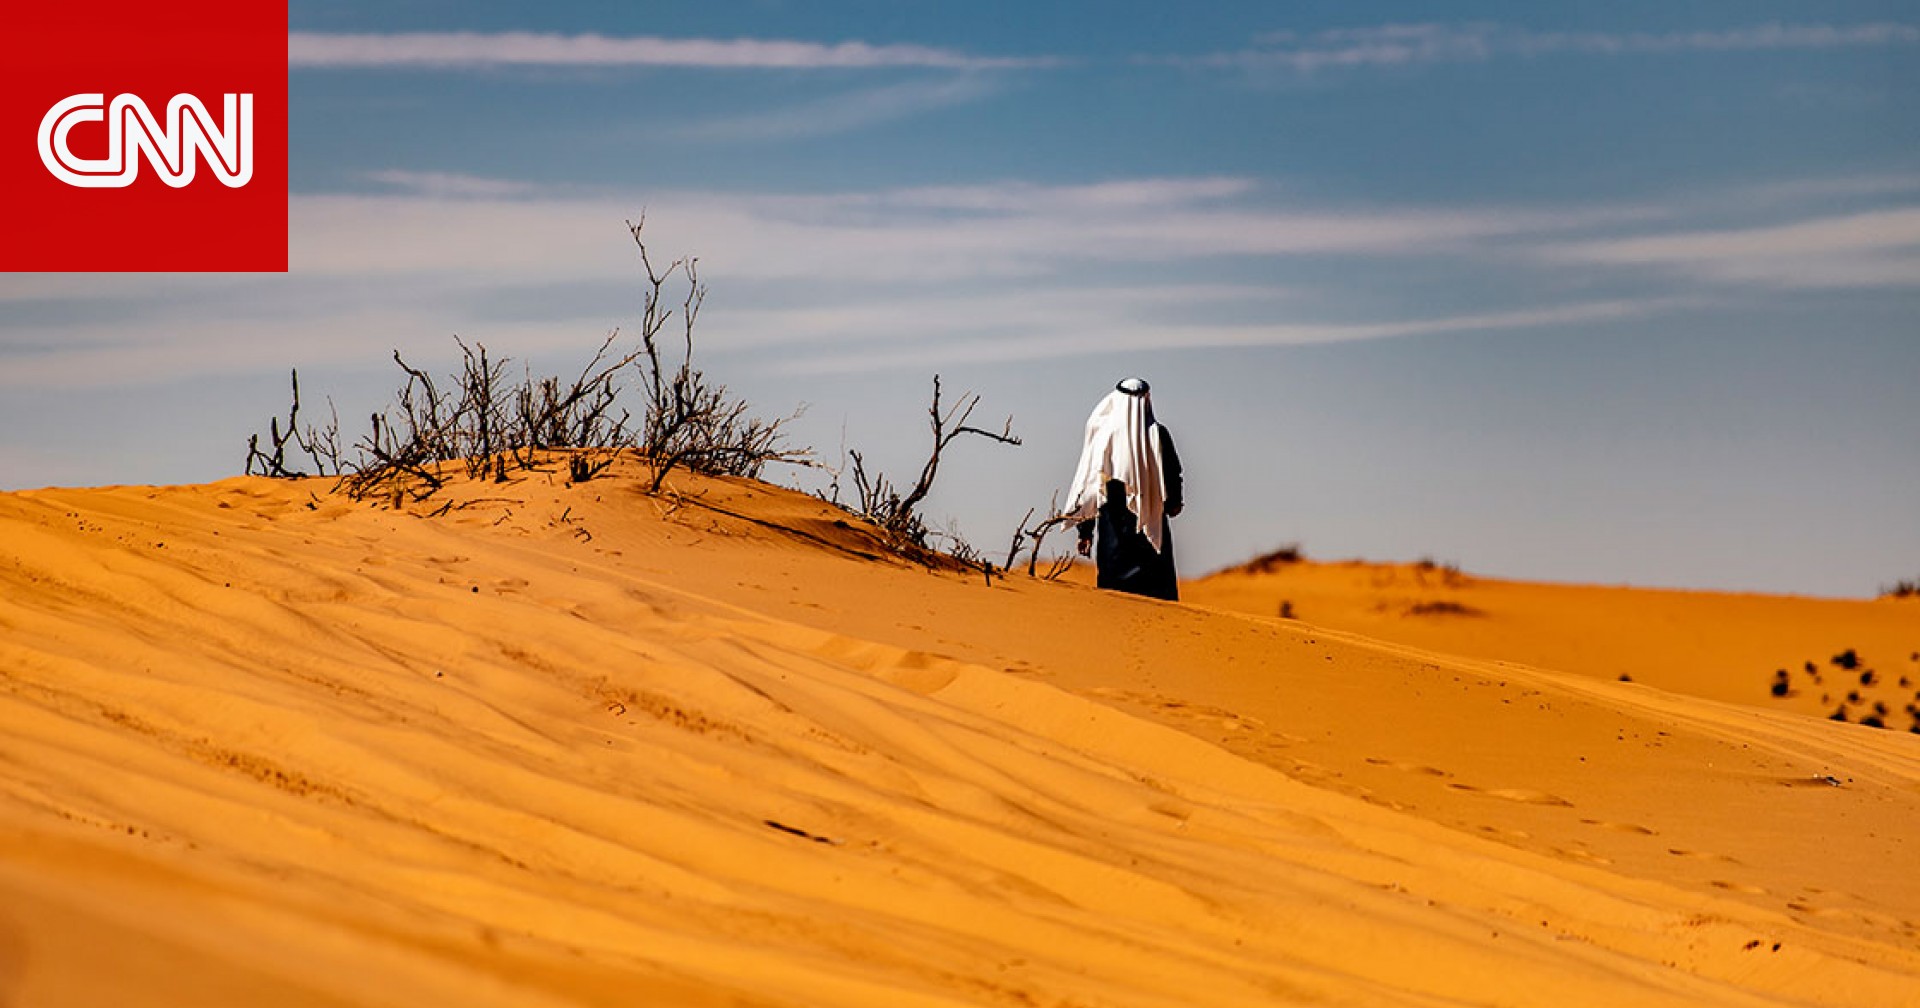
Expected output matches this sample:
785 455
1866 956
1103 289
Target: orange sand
1715 645
572 745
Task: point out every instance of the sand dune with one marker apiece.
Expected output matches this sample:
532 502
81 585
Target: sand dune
1859 657
573 745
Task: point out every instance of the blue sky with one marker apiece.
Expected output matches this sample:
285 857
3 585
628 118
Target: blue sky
1620 293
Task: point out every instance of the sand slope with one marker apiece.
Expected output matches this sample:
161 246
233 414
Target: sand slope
569 744
1859 657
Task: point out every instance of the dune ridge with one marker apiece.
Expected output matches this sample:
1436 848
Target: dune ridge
568 744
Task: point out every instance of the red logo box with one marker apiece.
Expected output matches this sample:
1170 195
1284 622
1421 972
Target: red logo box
147 136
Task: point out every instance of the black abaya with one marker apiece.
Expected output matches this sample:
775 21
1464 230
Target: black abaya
1124 556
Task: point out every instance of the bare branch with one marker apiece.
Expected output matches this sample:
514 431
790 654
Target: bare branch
1020 535
946 428
275 465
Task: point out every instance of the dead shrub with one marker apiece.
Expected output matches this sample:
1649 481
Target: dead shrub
491 425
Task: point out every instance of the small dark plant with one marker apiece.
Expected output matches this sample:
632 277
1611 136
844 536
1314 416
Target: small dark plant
1267 563
1443 608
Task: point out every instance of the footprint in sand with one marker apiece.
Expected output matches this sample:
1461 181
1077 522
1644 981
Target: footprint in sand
1698 856
1620 827
1739 887
1831 913
1525 796
1312 771
1414 768
1178 811
1820 781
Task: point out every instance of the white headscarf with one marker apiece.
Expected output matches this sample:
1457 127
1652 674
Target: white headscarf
1123 443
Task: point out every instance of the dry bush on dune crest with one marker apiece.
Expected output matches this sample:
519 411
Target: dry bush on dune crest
689 420
1443 607
881 502
1267 563
490 424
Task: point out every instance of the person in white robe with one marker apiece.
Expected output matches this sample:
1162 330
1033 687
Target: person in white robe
1124 491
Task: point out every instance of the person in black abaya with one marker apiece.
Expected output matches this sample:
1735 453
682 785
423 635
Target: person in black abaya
1124 491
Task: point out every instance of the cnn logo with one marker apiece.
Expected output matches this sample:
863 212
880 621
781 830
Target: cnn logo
173 147
163 125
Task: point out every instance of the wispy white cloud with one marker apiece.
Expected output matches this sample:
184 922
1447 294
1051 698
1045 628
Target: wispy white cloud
1753 38
1383 45
1395 45
1124 333
1020 197
454 184
935 234
442 50
848 111
1877 248
1843 186
1018 313
903 277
